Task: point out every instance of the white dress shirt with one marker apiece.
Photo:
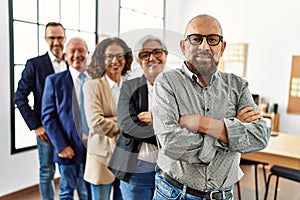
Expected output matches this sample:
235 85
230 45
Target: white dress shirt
115 88
148 152
58 66
76 80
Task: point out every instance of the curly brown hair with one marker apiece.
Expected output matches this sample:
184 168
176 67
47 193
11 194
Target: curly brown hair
96 68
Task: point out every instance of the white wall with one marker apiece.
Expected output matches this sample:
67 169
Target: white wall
266 27
271 29
17 171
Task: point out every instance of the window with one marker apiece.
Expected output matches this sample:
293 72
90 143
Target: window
79 17
138 14
141 17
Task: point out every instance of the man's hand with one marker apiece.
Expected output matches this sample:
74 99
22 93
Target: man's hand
145 117
41 134
247 114
191 122
67 153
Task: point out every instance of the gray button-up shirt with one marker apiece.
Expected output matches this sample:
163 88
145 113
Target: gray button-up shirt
196 159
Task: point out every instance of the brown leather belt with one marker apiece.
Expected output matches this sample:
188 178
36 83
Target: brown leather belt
198 193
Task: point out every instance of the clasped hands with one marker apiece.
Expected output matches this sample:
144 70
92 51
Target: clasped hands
145 117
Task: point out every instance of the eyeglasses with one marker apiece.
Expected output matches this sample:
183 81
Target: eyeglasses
110 57
211 39
156 53
52 38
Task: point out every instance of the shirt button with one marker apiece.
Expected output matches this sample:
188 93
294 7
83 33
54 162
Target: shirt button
209 179
207 109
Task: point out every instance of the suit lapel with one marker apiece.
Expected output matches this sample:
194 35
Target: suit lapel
143 94
73 106
48 64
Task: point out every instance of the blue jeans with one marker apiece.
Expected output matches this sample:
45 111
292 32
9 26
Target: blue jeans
141 184
71 178
101 191
47 169
166 191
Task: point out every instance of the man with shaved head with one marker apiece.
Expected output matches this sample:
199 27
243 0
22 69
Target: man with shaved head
203 119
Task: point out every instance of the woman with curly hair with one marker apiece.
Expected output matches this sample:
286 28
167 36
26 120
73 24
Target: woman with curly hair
110 62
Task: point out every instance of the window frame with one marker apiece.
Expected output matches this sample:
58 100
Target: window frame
140 32
12 63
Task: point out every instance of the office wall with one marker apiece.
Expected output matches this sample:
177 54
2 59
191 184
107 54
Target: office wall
17 171
271 29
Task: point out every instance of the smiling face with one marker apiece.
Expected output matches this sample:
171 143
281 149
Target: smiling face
76 54
114 60
202 59
153 59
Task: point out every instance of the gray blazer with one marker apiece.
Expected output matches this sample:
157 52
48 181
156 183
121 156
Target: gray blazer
132 101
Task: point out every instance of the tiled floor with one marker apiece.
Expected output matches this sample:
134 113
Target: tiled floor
288 190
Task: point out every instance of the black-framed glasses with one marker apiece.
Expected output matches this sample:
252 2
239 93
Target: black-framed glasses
211 39
157 53
110 57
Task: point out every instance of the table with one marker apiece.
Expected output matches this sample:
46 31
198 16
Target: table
282 150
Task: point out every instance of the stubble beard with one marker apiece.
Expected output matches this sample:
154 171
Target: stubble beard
57 51
202 63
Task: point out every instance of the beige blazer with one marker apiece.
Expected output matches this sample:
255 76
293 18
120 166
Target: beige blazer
99 108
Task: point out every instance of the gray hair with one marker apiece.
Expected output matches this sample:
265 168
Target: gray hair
78 38
139 45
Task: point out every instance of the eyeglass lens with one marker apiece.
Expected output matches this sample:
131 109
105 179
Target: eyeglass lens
110 57
212 39
146 55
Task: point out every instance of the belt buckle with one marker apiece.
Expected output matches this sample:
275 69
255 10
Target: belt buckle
211 194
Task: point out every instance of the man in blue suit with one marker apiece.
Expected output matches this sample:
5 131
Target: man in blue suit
61 119
32 80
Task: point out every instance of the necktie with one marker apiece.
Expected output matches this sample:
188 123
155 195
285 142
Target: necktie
84 124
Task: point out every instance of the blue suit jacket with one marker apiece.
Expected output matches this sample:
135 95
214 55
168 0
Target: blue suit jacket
32 80
61 117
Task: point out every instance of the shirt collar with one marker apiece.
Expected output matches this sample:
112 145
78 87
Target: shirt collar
150 87
113 84
191 74
74 73
52 57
